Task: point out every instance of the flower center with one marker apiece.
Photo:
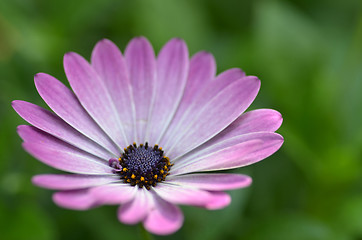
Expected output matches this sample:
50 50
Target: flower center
142 165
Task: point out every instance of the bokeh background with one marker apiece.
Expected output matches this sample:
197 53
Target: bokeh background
308 55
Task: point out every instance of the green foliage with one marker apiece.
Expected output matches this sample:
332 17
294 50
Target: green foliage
308 55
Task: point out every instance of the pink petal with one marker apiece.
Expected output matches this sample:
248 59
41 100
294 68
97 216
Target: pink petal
66 105
204 95
118 193
172 69
94 96
215 115
141 64
180 194
59 154
75 199
211 181
260 120
222 80
226 155
71 182
165 218
136 210
52 124
208 149
108 62
222 200
202 71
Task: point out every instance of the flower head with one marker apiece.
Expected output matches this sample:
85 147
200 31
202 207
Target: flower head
144 132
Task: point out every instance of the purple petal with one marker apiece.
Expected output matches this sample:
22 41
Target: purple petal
59 154
179 194
108 62
202 71
71 182
203 95
223 80
94 96
208 149
211 181
136 210
52 124
165 218
75 199
66 105
260 120
215 115
222 200
172 69
141 64
118 193
226 155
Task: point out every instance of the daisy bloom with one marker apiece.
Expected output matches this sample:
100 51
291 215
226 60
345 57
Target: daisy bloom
146 132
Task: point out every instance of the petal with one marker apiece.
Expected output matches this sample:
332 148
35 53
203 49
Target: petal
211 181
202 71
66 105
136 210
71 182
165 218
260 120
232 153
222 200
75 199
179 194
108 62
60 155
52 124
141 63
172 69
215 115
203 96
223 80
94 96
118 193
208 149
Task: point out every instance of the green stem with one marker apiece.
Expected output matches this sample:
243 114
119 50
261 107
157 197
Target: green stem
145 235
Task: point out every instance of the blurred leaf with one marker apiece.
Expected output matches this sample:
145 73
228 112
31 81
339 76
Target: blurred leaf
25 221
350 216
293 226
162 20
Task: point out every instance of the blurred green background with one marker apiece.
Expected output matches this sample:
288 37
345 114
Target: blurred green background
308 55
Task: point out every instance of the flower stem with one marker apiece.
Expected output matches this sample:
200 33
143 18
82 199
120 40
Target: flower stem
145 235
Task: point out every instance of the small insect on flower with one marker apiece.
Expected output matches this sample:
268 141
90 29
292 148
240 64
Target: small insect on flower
145 132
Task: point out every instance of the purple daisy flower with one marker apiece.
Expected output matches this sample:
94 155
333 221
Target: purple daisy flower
105 132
